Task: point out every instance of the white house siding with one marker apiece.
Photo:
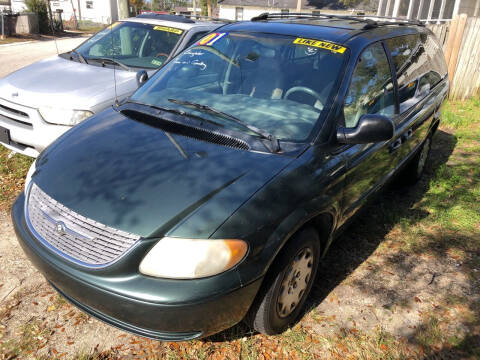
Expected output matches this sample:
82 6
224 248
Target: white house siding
100 11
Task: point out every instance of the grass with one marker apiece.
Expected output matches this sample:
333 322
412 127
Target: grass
13 169
17 38
435 222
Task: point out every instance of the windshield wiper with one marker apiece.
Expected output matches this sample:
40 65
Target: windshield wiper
174 111
80 56
275 145
111 61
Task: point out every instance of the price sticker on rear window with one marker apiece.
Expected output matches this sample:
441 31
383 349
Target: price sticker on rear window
210 39
168 29
320 44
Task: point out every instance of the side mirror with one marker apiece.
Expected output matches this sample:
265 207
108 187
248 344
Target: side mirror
142 77
370 129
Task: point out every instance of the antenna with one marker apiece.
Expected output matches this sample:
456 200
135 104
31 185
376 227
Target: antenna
51 25
114 66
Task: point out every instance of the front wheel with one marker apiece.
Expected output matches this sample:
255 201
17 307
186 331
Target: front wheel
287 284
414 171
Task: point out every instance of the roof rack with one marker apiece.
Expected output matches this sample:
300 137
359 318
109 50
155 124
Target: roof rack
367 19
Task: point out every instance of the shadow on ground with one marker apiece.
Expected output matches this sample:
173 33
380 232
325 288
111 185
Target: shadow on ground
368 231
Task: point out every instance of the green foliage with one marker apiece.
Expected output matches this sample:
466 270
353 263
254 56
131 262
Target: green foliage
40 8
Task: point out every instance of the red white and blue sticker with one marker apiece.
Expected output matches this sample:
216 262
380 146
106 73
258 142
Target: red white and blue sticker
210 39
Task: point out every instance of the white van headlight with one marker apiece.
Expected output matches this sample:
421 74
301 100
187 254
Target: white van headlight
30 172
64 116
177 258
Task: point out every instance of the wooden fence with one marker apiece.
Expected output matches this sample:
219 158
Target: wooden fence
461 44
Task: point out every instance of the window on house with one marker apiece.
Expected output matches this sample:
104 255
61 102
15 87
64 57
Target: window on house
238 13
316 12
285 11
89 4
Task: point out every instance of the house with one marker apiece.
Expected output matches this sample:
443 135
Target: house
99 11
246 9
428 10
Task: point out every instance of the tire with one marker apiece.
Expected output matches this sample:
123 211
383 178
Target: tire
269 314
414 171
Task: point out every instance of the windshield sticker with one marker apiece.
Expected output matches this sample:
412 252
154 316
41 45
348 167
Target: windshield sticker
157 62
168 29
210 39
320 44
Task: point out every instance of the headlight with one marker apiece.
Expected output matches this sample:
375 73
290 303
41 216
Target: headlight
192 258
30 172
64 116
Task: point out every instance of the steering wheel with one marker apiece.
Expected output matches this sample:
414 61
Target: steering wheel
303 89
162 54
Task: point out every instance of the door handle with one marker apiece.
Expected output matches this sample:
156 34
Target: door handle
407 135
396 144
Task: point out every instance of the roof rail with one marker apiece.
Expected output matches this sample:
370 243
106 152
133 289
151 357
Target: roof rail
367 19
166 17
397 20
208 18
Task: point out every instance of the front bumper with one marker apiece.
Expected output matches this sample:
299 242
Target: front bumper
29 133
173 319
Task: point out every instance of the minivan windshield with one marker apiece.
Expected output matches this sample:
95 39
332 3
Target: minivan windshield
132 44
279 84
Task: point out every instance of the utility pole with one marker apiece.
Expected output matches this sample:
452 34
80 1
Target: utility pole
194 3
299 6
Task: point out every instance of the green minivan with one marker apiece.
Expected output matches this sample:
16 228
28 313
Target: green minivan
213 192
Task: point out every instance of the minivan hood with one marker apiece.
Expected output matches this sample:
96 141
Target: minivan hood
58 82
139 179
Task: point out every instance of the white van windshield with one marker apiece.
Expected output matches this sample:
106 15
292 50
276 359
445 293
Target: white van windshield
276 83
132 44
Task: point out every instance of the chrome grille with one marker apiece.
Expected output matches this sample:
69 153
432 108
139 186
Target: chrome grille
82 240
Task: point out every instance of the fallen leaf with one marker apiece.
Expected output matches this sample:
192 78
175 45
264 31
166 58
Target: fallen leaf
383 347
417 299
51 308
70 342
35 303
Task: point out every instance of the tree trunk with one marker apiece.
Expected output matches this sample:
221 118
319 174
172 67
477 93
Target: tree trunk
209 8
75 22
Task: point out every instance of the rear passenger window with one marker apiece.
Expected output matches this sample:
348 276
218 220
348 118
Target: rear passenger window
371 88
419 65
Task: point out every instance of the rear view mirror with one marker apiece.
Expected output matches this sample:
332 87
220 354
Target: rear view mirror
370 129
142 77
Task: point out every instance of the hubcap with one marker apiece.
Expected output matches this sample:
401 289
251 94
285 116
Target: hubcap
423 157
295 282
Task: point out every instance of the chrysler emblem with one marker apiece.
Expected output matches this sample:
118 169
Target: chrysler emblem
15 94
60 228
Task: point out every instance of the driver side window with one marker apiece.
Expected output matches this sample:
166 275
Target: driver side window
371 87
